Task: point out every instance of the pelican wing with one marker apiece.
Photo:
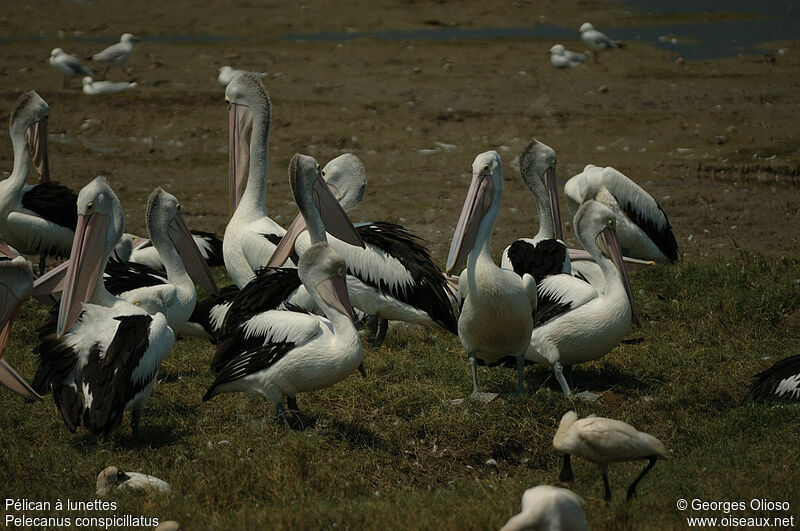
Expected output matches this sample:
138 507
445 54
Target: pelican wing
258 245
559 294
120 276
40 235
267 291
396 263
782 380
210 313
261 332
542 259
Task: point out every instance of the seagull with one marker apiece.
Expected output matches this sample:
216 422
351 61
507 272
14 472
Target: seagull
561 57
549 508
67 64
603 441
116 54
227 73
596 40
112 478
93 88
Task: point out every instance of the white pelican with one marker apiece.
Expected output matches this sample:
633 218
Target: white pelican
94 88
596 40
281 353
35 219
227 73
116 54
575 322
16 284
251 236
391 277
174 296
496 317
604 441
103 356
780 381
544 254
643 228
112 478
549 508
67 64
560 57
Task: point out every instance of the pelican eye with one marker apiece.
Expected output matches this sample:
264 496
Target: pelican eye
610 222
317 166
120 474
90 206
324 172
485 167
179 207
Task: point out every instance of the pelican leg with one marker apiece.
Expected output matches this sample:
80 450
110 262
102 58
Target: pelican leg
105 72
520 374
476 393
299 422
280 413
362 370
632 488
135 415
42 263
607 495
559 370
566 474
383 326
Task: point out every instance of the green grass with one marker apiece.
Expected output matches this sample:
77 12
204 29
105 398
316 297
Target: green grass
392 451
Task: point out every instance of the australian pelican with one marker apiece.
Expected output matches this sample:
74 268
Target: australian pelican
549 508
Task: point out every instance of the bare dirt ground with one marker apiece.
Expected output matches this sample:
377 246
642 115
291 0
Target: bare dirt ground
714 141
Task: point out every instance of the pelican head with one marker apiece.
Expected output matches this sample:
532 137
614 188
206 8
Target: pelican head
101 223
323 271
487 182
596 226
347 179
165 222
110 478
245 96
319 210
585 27
537 165
29 119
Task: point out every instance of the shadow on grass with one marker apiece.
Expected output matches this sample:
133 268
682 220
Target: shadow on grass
595 379
356 435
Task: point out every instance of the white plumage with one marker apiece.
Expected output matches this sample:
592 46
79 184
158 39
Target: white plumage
643 228
560 57
95 88
604 441
227 73
548 508
597 41
111 478
116 54
67 64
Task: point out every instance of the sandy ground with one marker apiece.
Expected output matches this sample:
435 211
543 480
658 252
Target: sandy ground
714 141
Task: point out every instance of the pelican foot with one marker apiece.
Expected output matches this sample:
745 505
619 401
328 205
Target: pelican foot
587 396
483 397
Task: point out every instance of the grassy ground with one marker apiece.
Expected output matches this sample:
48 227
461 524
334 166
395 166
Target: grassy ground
392 451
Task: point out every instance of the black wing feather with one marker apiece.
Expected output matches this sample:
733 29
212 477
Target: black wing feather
53 202
266 291
547 307
541 260
255 358
202 310
126 276
766 385
429 291
663 238
214 255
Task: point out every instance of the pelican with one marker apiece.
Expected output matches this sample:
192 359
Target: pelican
560 57
35 219
544 254
95 88
102 356
549 508
496 317
391 277
642 225
143 252
227 73
575 322
16 284
282 353
603 441
597 41
116 54
67 64
112 478
781 381
251 236
174 296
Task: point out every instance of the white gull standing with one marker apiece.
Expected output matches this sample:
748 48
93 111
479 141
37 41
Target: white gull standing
596 40
116 54
67 64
